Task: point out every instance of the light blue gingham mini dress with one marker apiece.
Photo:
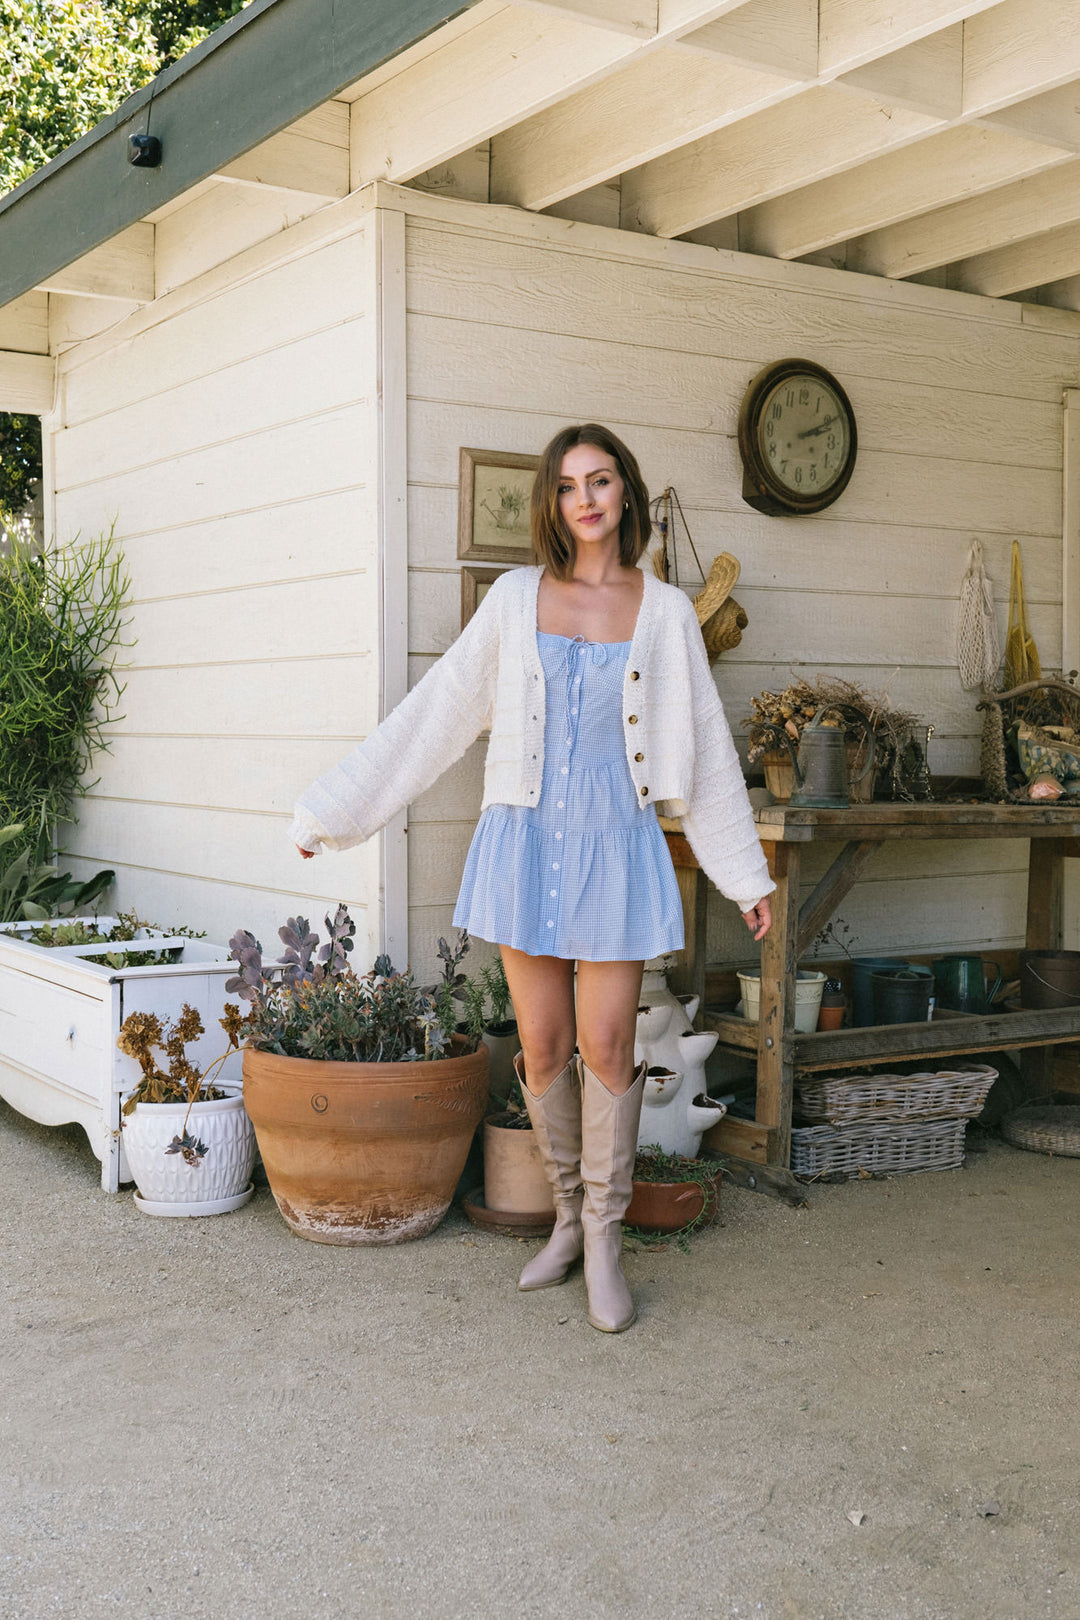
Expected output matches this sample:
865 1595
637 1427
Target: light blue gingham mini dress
586 874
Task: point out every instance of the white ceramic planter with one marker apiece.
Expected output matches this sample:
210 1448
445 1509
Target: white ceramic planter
667 1042
217 1182
61 1011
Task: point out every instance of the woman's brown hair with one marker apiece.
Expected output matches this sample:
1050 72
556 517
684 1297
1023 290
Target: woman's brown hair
552 541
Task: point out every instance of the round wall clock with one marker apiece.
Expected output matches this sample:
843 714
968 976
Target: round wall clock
797 439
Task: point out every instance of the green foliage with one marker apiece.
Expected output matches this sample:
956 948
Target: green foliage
20 460
32 890
472 996
493 978
61 622
65 64
178 25
126 927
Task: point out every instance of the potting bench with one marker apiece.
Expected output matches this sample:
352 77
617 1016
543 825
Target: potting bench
1054 832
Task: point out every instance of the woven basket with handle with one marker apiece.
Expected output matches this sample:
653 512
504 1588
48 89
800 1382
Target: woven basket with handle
1000 710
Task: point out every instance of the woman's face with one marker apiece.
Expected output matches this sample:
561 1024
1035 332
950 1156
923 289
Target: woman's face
591 494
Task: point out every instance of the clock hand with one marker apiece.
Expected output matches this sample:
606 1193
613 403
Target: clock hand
823 428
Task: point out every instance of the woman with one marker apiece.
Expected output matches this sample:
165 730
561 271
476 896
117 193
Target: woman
593 677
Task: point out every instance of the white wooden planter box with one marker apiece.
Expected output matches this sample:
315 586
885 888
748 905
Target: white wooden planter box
60 1015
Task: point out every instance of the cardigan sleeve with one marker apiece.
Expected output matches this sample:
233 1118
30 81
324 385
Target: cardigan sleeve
718 820
430 728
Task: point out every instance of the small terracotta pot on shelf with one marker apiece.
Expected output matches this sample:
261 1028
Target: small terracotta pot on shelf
833 1006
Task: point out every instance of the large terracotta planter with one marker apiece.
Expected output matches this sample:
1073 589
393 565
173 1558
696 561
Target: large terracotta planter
364 1152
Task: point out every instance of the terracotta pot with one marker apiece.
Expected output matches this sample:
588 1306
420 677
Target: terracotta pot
364 1152
668 1206
514 1179
831 1017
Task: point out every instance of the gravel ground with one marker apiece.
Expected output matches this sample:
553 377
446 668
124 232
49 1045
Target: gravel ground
217 1419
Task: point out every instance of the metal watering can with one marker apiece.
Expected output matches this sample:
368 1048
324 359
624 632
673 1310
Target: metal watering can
821 778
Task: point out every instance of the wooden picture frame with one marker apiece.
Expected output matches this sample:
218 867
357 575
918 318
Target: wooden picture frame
494 487
475 583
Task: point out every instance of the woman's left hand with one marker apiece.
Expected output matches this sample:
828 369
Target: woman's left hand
759 920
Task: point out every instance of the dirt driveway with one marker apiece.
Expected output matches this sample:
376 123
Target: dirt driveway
214 1420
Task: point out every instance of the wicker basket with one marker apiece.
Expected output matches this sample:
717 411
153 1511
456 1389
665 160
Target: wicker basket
865 1098
884 1149
998 764
1054 1128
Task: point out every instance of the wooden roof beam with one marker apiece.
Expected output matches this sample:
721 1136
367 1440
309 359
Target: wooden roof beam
1031 263
1018 49
526 60
1063 294
774 36
978 224
853 32
950 165
120 268
818 134
925 77
758 55
312 156
27 382
598 134
24 324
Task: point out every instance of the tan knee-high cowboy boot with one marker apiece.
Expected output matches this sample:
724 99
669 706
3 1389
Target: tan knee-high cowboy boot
609 1130
556 1121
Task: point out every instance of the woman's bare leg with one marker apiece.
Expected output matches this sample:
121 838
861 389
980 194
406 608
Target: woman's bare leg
607 1003
542 990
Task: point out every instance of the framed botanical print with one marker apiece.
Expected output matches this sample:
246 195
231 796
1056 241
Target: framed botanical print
494 490
475 584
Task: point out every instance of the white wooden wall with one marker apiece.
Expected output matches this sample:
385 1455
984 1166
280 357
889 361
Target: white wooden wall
517 325
229 431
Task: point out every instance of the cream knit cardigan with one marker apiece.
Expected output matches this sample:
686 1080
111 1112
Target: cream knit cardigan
678 743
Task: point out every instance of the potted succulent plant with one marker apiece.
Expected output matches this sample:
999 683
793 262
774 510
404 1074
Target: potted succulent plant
363 1097
189 1141
671 1193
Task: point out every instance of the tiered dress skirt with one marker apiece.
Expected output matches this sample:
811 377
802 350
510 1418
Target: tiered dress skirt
585 874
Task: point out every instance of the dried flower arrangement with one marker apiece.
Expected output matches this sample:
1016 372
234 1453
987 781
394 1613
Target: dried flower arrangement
900 758
312 1004
143 1033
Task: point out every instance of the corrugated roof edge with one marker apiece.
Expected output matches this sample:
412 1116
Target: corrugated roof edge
261 71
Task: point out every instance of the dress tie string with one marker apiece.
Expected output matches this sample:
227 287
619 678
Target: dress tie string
578 653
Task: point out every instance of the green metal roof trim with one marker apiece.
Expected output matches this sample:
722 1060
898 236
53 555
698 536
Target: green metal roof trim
258 73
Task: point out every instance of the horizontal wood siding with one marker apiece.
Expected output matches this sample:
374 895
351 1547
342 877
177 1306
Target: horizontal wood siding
228 433
960 429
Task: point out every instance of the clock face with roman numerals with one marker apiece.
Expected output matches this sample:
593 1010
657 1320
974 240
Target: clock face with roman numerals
797 438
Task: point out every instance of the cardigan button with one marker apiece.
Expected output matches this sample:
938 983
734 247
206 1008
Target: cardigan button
633 719
634 676
644 793
639 758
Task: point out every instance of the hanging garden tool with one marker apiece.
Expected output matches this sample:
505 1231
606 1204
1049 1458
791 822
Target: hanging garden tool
978 650
721 618
1021 654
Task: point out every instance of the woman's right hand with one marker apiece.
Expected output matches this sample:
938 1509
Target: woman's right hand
306 854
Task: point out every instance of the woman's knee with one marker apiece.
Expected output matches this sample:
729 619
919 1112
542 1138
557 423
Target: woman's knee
608 1052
